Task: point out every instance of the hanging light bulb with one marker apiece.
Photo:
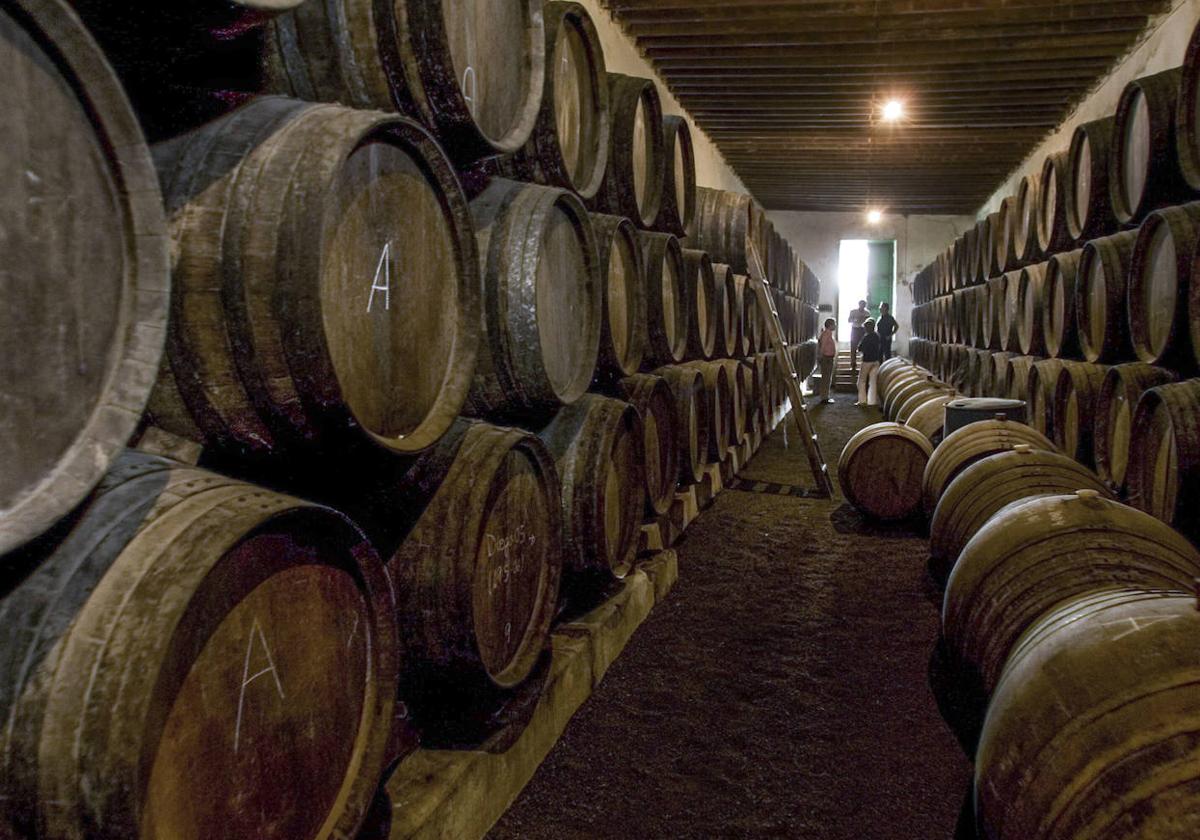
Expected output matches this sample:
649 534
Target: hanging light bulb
874 217
893 110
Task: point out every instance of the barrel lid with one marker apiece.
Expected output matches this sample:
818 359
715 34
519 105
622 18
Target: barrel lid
985 404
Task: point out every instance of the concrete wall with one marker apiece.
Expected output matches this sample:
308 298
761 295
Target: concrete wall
1160 48
817 239
621 56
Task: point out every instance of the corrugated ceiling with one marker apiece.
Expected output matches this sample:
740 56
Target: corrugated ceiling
791 90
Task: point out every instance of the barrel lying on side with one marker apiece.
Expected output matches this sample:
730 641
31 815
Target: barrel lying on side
1089 206
185 623
678 209
472 71
1100 283
880 470
633 181
1123 386
692 408
1076 397
623 323
1163 475
700 301
85 269
719 395
729 316
969 444
1160 271
667 315
293 226
655 404
1058 305
1052 232
1143 169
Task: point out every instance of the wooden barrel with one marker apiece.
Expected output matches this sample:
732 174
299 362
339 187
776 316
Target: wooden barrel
191 642
965 446
655 404
929 417
1159 279
1100 297
997 230
1075 403
985 247
623 323
1163 475
1097 702
1016 376
1041 386
723 226
975 301
1032 339
1026 248
995 321
905 410
692 424
988 485
1036 553
1009 317
596 443
311 336
1058 305
970 265
633 182
729 316
700 299
543 301
1187 117
678 209
1120 391
892 370
1054 195
740 392
473 72
718 390
1088 205
747 305
1143 167
667 314
905 388
880 470
570 141
85 269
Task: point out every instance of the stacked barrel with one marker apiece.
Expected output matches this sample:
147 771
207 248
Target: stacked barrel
415 316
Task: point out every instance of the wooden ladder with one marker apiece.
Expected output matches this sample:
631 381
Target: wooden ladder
812 446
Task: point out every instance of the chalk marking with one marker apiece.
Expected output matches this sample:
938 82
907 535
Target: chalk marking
385 266
1150 621
469 89
247 678
353 630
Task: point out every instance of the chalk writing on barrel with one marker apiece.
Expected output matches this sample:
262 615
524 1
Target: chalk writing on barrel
382 269
468 88
248 678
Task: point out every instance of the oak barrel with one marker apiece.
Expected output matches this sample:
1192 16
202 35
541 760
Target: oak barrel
1187 117
623 325
1100 284
294 323
1160 272
85 280
1163 474
729 316
1030 300
1016 376
655 404
983 488
1009 316
1058 305
1025 232
667 314
965 446
929 417
597 443
569 145
678 209
1092 730
633 181
723 227
1088 205
719 394
700 300
1041 386
1076 398
191 642
472 71
1120 391
692 424
1143 167
880 470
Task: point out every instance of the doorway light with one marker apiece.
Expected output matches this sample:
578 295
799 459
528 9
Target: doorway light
893 110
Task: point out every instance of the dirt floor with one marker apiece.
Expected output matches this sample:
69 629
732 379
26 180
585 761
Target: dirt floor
780 691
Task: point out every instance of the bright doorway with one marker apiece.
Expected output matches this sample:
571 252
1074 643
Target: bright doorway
866 271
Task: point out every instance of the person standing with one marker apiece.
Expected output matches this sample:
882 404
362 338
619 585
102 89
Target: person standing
871 349
887 329
827 358
856 319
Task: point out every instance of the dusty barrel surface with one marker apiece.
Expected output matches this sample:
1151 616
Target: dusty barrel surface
1076 398
1187 118
1120 391
999 379
570 141
1025 236
596 444
1143 167
655 404
667 315
929 417
1100 284
965 446
1008 316
1098 701
1053 194
326 281
542 300
693 406
982 489
741 393
700 300
1058 305
187 622
723 227
678 210
880 470
995 320
729 316
85 282
623 325
1041 386
1088 205
474 71
1163 474
1160 271
1037 553
720 395
1030 300
1016 376
633 182
747 304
